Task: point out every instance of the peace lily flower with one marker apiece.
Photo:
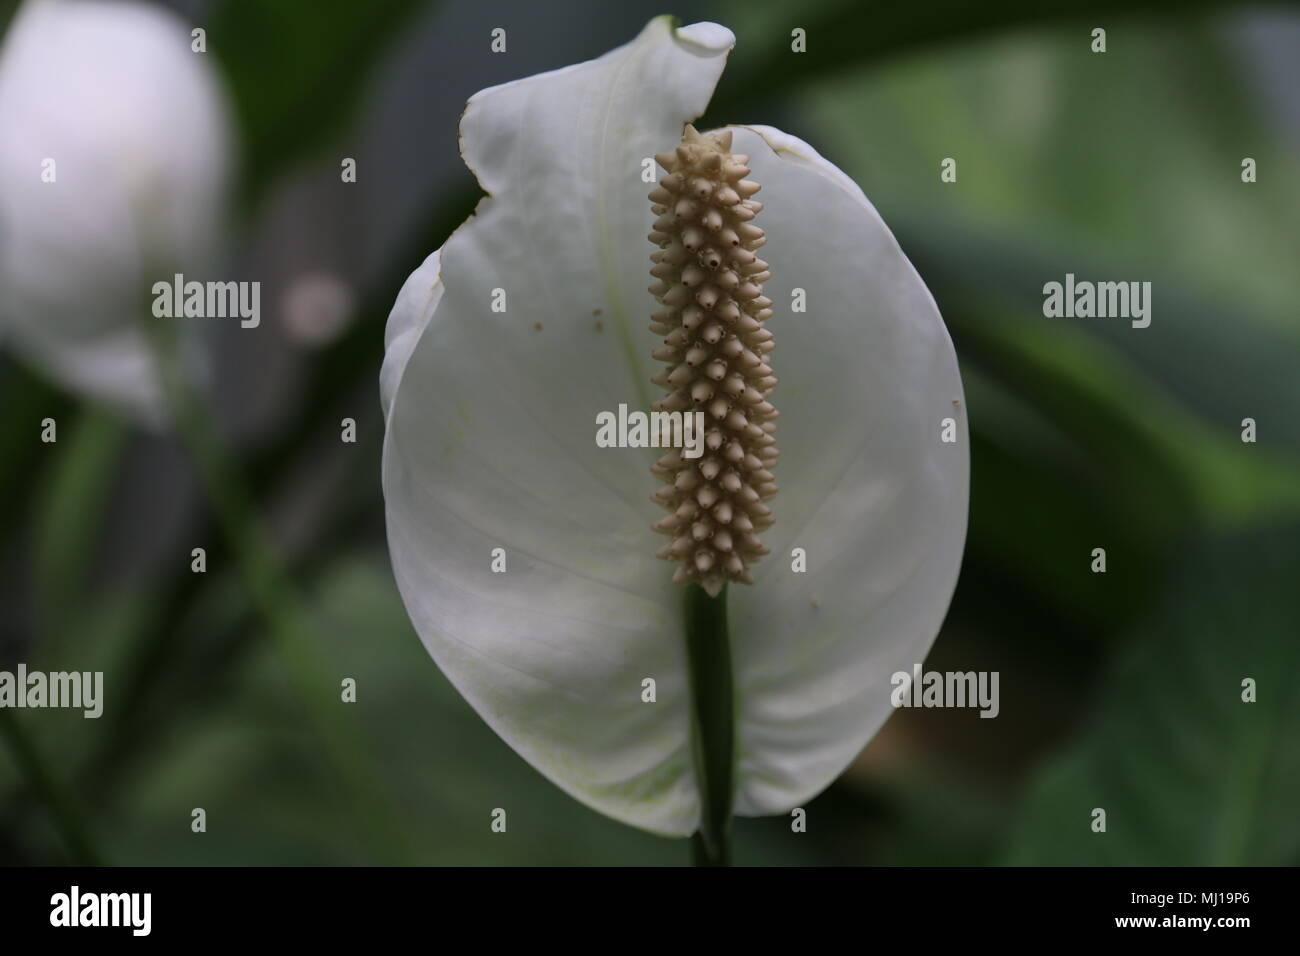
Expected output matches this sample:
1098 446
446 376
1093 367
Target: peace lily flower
114 156
534 318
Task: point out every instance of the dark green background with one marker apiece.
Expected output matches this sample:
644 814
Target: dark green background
1119 690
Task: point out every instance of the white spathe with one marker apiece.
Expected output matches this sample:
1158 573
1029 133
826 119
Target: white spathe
135 124
490 444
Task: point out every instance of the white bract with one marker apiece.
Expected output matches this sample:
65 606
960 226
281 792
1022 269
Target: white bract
114 159
505 345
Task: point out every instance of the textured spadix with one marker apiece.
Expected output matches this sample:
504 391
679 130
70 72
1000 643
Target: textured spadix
491 444
710 289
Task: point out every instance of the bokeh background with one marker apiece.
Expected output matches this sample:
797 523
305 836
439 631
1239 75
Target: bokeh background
1118 690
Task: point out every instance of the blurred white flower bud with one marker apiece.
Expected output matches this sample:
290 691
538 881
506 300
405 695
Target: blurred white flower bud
114 166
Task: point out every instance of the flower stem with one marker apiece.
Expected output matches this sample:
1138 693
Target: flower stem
60 803
713 724
272 594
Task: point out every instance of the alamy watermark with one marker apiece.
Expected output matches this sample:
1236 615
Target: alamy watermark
83 690
637 429
76 909
1102 300
946 689
208 300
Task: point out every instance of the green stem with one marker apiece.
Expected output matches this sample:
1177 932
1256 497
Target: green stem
713 721
76 492
58 801
273 597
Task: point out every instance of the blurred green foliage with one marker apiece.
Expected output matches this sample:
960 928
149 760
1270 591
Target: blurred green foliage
1186 771
296 74
1120 690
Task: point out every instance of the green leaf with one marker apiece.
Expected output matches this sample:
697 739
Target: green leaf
1058 447
297 71
248 756
1188 773
848 33
26 400
69 514
1168 106
1252 362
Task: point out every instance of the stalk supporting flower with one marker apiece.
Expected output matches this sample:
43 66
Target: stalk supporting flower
489 446
710 285
713 721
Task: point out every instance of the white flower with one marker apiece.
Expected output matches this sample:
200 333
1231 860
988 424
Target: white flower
108 101
490 444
